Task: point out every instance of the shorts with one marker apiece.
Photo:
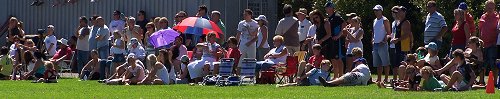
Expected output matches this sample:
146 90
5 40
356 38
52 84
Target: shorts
118 58
380 54
462 86
328 51
352 79
396 57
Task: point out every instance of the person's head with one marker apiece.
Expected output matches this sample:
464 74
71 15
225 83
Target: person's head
131 21
29 43
83 21
150 26
421 50
181 15
402 13
431 6
350 16
474 43
100 21
185 59
411 71
163 23
93 19
325 65
287 10
94 54
316 49
247 14
330 8
50 29
490 6
211 37
278 40
178 40
394 12
202 10
156 21
4 50
459 15
357 52
164 56
134 42
28 57
462 6
141 15
317 17
63 43
117 34
458 56
262 20
411 59
426 72
13 22
49 65
215 16
356 22
17 38
116 15
302 14
232 42
378 10
131 59
152 60
432 48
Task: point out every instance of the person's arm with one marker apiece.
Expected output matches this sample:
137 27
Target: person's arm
125 75
37 65
328 33
446 67
50 47
86 66
472 78
264 36
406 29
444 28
387 26
336 37
279 30
467 32
307 74
358 36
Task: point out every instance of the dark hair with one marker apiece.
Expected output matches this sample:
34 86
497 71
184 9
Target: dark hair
84 19
94 51
203 7
248 11
459 53
183 12
319 14
232 40
94 17
28 57
167 63
39 55
142 12
432 3
316 46
287 9
4 50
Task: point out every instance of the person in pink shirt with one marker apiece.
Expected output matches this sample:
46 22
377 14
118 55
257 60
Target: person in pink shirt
488 30
64 53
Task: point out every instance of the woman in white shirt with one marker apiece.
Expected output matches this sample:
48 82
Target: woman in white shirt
354 38
262 45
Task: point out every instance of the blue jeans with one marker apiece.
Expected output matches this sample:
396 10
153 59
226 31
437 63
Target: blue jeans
103 64
263 65
82 58
103 52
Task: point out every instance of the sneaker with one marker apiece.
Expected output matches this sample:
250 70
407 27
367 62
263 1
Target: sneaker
324 83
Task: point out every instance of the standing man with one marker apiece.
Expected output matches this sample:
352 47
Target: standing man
337 24
288 27
93 33
202 12
102 37
247 35
304 26
116 24
488 27
82 43
381 30
435 25
215 17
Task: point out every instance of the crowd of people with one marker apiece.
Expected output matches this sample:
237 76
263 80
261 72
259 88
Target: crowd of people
119 53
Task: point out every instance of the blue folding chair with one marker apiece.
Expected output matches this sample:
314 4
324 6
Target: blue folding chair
225 71
248 70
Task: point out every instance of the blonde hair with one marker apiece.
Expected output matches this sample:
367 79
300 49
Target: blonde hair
411 57
279 38
357 51
461 13
49 65
427 69
490 2
152 59
326 62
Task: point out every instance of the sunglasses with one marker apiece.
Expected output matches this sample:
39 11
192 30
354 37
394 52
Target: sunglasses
179 16
394 11
377 10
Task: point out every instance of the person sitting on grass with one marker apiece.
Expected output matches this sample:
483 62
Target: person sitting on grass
313 62
134 73
38 65
360 75
200 68
233 52
6 65
184 77
411 79
403 72
50 74
116 78
312 76
158 75
463 78
432 57
91 69
429 82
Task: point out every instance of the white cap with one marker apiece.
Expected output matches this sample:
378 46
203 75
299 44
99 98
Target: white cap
378 7
63 41
261 17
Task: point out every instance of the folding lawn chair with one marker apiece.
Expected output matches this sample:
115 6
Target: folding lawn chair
248 70
225 70
65 65
291 69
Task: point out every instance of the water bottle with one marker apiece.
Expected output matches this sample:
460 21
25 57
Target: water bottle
85 77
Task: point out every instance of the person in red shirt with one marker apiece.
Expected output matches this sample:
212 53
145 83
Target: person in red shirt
489 33
313 62
233 52
64 53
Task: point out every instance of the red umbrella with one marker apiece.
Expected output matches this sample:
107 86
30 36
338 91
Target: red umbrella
198 26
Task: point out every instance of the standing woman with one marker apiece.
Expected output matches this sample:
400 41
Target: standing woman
460 31
262 45
323 34
354 37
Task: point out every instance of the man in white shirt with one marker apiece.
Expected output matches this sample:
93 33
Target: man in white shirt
247 35
50 41
304 26
116 24
82 44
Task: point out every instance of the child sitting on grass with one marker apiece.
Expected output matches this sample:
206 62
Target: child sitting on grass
91 69
233 52
411 80
311 77
360 75
313 62
411 61
5 64
50 74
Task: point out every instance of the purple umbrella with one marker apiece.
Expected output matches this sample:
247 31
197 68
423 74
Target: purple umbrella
163 37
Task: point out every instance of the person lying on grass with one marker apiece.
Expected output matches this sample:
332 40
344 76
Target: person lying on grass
313 62
91 69
50 74
360 75
463 78
134 73
311 77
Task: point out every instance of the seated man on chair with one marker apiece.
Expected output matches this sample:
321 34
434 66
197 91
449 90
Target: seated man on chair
64 53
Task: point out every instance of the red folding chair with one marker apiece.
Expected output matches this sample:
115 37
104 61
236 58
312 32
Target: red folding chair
291 69
190 55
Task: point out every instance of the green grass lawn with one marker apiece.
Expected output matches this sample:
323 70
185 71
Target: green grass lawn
72 88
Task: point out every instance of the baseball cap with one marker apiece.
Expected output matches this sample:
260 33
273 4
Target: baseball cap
432 46
184 58
351 15
378 7
330 4
261 17
63 41
462 6
302 11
